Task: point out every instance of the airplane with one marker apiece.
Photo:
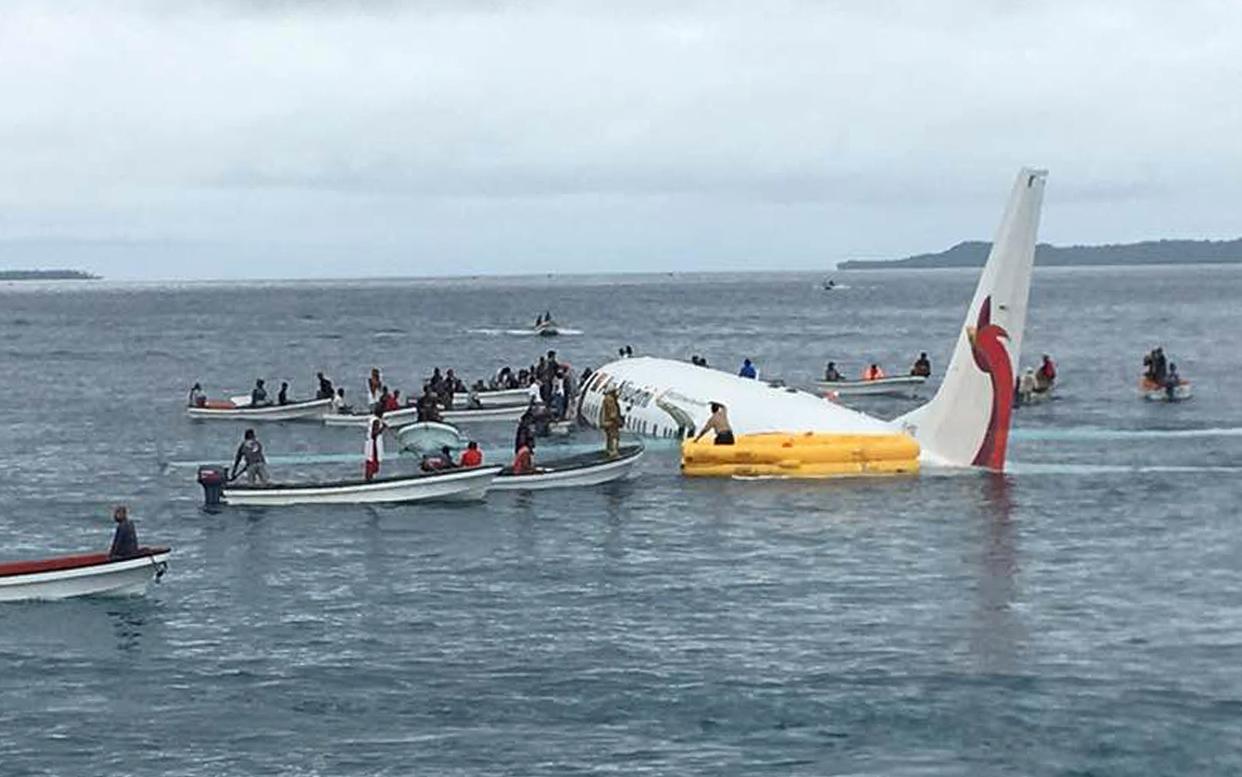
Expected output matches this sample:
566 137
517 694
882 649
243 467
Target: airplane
966 423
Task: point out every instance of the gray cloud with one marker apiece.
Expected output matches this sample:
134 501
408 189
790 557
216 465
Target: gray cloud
545 135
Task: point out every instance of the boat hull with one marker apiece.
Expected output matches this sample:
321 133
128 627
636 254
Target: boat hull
127 577
429 436
454 485
575 472
407 416
297 411
900 386
491 399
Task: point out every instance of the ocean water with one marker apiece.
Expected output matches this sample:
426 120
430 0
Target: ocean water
1079 615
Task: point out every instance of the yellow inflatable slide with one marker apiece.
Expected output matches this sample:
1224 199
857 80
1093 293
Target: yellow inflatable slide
805 455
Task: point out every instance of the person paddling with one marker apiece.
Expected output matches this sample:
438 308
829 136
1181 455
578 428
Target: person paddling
718 423
125 539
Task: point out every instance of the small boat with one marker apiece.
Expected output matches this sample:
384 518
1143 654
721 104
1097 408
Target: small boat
230 410
90 574
897 386
408 415
1036 397
547 328
493 398
1154 392
454 485
430 437
587 469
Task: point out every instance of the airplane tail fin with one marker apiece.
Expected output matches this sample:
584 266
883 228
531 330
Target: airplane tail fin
967 422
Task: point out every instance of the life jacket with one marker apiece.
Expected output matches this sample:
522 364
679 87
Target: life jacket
471 457
873 373
1048 370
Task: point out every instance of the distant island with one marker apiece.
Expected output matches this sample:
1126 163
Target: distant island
973 253
46 275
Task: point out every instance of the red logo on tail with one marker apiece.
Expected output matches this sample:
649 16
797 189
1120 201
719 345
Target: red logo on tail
987 345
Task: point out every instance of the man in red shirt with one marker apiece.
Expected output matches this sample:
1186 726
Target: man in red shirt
472 456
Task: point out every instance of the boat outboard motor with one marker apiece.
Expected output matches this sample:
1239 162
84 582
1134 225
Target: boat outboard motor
212 479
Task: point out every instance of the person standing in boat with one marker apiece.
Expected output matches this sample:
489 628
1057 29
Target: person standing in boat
256 465
282 397
373 450
718 423
748 370
258 396
375 385
1171 381
832 374
428 406
125 538
922 366
197 397
611 421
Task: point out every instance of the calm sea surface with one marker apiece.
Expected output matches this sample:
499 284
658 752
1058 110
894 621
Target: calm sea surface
1081 615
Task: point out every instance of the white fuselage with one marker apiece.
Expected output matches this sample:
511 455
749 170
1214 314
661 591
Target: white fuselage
671 399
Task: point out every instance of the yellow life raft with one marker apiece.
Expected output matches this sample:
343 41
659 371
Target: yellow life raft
805 455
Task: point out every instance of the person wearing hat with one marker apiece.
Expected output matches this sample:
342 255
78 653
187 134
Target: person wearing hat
718 423
611 420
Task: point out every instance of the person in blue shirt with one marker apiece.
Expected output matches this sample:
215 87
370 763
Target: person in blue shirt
748 370
125 540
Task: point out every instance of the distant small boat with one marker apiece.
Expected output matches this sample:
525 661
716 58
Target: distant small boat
547 329
492 398
587 469
1154 392
897 386
90 574
230 410
445 485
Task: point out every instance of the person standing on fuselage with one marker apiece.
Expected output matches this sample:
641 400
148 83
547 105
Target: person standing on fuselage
611 421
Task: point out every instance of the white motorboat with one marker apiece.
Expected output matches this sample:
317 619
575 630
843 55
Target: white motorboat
898 386
547 329
294 411
1154 392
493 398
430 437
409 415
91 574
394 418
455 485
587 469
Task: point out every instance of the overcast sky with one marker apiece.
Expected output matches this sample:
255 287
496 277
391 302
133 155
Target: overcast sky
286 139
